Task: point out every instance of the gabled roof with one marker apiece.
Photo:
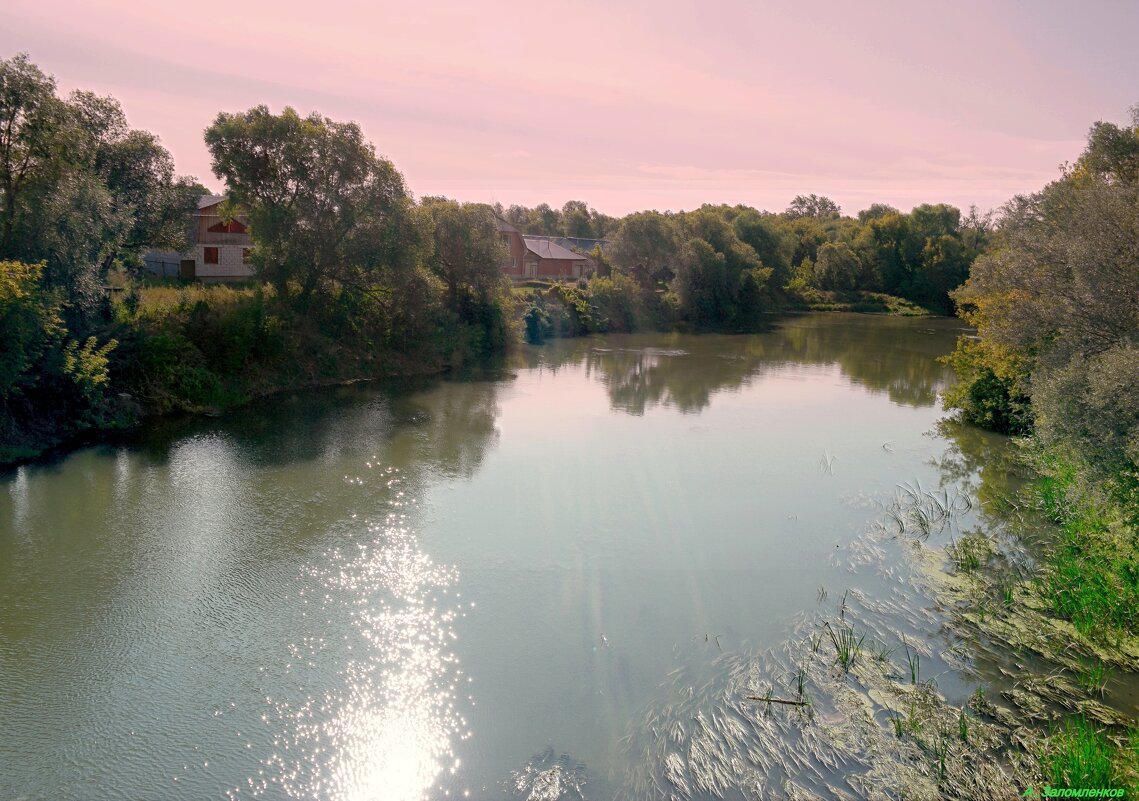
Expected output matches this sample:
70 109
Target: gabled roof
544 248
504 227
205 201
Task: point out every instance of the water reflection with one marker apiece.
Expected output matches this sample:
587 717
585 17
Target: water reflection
252 589
884 355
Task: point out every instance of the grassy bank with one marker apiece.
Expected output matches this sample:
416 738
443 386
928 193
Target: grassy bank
190 348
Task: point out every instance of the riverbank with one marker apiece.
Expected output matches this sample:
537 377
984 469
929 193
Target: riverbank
206 349
194 349
872 693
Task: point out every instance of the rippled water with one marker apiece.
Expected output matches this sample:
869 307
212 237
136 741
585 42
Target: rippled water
450 588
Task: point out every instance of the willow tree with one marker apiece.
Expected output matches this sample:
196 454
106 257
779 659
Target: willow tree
79 189
326 213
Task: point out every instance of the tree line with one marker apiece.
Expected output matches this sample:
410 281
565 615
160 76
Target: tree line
355 278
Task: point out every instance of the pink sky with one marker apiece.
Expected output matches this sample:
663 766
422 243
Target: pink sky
629 105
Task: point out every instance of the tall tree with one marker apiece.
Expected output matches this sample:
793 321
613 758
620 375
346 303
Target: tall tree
819 207
468 253
644 245
325 211
79 189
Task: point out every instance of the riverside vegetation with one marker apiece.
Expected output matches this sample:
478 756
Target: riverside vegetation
356 279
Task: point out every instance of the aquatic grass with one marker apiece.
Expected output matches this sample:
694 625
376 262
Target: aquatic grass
1093 678
1005 587
847 644
970 553
883 652
913 660
941 753
800 682
1078 755
963 726
898 722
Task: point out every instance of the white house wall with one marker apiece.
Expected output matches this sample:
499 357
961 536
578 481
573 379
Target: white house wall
230 264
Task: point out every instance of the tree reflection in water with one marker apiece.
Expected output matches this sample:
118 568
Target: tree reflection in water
883 354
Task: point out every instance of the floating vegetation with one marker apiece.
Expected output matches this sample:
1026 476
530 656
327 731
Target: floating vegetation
808 722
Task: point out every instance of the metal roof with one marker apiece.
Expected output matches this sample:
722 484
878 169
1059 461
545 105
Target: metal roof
205 201
544 248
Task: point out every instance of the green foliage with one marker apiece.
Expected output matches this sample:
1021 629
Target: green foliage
617 303
1080 755
30 324
468 253
86 367
1093 571
644 247
51 387
575 219
837 267
326 213
537 321
79 190
988 390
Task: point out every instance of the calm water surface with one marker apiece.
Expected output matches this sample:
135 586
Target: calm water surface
409 593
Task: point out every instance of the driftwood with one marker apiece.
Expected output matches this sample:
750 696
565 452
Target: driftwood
776 700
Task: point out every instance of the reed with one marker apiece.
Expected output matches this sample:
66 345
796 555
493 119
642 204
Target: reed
913 660
847 644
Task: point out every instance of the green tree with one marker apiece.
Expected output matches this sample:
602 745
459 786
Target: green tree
644 246
576 219
820 208
79 190
468 252
837 267
763 233
326 213
1056 306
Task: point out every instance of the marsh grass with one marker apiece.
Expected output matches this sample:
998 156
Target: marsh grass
1093 571
800 678
1078 755
1093 678
847 644
970 553
921 513
164 298
913 661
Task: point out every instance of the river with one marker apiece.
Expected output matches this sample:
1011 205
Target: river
444 588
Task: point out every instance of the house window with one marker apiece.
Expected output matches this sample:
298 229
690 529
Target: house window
210 256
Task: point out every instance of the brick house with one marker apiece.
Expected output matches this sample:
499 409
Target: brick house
221 248
541 257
